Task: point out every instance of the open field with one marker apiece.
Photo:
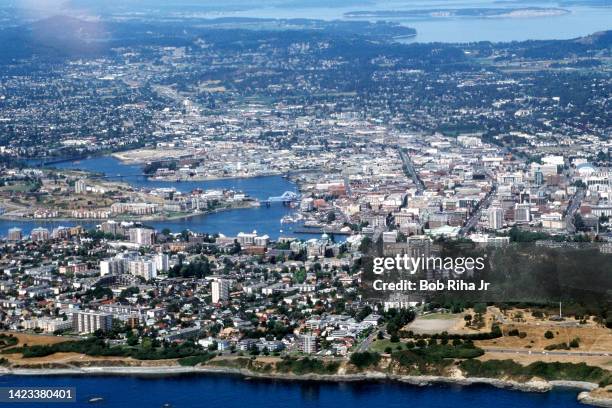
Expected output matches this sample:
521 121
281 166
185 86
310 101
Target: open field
38 339
71 359
440 316
452 323
592 338
379 346
431 326
526 359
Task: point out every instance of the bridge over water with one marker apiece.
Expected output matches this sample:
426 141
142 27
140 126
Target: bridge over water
286 197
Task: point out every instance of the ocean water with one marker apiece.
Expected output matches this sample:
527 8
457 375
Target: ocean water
584 18
191 391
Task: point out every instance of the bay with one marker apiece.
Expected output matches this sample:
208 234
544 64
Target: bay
190 391
584 18
263 219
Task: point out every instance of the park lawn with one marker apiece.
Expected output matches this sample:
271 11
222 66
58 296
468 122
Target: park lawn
379 346
439 316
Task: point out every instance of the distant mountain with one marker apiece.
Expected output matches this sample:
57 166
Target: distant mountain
602 39
62 37
557 49
57 36
69 28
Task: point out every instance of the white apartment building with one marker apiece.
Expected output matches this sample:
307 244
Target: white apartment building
146 268
142 236
496 218
220 290
89 322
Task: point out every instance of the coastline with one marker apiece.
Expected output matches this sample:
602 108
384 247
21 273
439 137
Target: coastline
130 161
129 219
584 396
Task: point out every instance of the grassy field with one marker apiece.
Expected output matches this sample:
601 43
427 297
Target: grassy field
379 346
18 187
37 339
440 316
592 338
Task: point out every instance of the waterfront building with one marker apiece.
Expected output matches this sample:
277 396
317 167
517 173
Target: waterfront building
89 322
309 344
15 234
142 236
112 227
134 208
39 234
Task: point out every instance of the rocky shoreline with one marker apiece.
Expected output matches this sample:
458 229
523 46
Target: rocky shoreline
584 397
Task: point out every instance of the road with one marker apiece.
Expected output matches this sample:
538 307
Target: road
550 353
411 171
365 344
473 219
572 207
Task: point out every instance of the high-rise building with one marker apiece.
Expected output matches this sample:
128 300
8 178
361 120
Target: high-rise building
80 187
15 234
539 177
112 227
496 218
162 262
39 234
522 213
117 265
89 322
220 290
142 236
113 266
143 267
309 344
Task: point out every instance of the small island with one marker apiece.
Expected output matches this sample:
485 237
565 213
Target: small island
522 12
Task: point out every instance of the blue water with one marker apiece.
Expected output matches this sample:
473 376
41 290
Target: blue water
233 392
115 170
583 19
264 220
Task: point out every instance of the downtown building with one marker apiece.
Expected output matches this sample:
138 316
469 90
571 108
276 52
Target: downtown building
496 218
